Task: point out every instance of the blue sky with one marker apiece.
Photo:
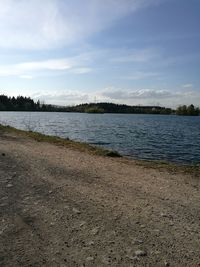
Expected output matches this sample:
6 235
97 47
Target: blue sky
124 51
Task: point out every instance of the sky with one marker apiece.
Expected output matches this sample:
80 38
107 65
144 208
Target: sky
66 52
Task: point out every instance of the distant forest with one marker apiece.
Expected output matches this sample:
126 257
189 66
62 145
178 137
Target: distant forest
21 103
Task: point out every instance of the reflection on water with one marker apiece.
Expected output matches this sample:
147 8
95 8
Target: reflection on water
172 138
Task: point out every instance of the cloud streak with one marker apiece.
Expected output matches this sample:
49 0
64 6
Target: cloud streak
136 56
36 24
76 65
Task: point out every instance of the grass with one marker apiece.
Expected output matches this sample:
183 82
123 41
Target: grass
61 142
94 150
170 167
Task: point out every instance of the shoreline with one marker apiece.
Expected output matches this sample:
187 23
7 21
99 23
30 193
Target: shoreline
96 150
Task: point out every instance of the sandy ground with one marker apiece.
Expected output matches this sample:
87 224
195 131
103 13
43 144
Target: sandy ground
61 207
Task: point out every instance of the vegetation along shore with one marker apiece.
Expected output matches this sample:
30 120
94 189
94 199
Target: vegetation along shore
21 103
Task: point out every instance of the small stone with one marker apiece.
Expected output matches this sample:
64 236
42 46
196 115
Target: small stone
95 231
106 260
166 263
137 241
82 224
135 258
89 258
9 185
14 174
90 243
75 210
140 253
50 192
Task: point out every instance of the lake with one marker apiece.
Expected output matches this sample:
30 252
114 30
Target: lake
153 137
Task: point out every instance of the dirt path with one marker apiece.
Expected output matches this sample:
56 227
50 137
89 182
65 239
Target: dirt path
61 207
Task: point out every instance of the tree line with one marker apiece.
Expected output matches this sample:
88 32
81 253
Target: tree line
190 110
21 103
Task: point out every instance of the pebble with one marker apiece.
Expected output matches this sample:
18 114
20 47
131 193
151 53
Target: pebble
166 263
135 258
95 231
163 214
90 243
9 185
89 258
106 260
14 174
137 241
82 224
140 253
75 210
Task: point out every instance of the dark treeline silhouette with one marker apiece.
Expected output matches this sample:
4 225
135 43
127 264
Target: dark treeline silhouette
118 108
21 103
190 110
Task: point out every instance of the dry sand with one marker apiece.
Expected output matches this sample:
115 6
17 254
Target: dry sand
62 207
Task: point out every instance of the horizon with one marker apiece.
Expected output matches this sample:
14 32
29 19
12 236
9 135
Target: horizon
124 52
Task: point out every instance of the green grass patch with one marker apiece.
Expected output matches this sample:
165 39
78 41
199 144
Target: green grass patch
170 167
83 147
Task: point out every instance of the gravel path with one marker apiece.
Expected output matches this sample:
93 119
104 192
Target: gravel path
62 207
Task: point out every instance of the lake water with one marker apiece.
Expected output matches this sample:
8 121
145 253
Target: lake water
154 137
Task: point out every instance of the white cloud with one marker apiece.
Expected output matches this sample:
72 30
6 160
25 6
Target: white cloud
136 56
140 75
165 98
37 24
137 94
188 85
81 70
26 69
26 77
64 98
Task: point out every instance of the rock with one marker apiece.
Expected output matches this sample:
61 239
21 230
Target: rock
82 223
90 243
137 241
106 260
14 175
95 231
135 258
163 214
166 263
9 185
140 253
90 258
75 210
